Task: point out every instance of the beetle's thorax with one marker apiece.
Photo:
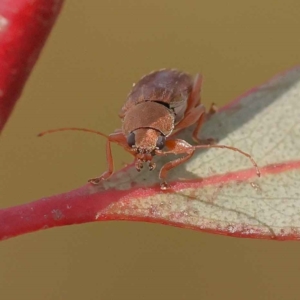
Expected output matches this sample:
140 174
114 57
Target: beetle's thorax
149 115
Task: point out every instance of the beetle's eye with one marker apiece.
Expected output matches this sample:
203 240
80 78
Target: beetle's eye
160 142
131 139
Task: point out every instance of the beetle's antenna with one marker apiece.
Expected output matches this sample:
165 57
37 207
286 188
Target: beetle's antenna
74 129
233 149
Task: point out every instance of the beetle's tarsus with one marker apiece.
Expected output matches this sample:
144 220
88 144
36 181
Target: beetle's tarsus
164 186
209 141
212 110
95 181
139 165
152 166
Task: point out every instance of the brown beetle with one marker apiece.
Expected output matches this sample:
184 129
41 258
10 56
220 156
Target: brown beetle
159 105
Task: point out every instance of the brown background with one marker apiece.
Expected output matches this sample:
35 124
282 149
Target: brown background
96 51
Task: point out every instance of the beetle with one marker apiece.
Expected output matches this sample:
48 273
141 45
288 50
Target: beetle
159 104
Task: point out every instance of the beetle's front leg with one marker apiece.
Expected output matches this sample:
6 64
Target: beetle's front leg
116 137
176 147
110 163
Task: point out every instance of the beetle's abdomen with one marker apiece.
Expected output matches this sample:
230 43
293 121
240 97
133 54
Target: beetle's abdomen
170 87
149 115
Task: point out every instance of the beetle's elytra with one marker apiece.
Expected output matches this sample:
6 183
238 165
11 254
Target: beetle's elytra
159 104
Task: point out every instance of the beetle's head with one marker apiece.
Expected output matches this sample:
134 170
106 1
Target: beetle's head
146 126
145 141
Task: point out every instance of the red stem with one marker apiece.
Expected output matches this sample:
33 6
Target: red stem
24 28
70 208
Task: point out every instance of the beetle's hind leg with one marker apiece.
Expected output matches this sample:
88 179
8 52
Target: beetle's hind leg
199 123
198 116
196 113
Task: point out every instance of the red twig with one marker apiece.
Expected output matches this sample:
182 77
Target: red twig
24 28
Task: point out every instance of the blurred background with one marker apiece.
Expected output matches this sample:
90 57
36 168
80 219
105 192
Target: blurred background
96 51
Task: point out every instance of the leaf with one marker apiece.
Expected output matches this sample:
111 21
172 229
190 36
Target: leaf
215 191
24 28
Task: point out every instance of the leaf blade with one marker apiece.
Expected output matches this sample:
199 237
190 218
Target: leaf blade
220 194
